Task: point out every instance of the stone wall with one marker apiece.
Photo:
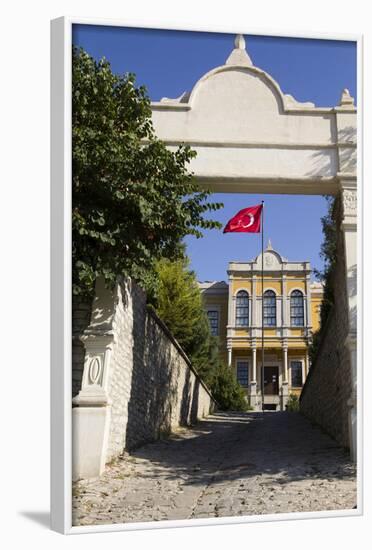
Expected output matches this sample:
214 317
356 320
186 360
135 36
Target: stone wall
325 395
136 378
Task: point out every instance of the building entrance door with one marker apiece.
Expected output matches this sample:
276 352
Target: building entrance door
271 381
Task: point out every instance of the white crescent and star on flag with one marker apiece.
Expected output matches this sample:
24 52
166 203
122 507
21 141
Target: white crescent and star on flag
248 218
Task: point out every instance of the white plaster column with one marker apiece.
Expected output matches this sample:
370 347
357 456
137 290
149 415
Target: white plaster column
285 364
91 413
278 305
303 369
230 313
254 365
285 303
284 387
254 300
253 382
349 229
308 302
351 344
307 365
229 356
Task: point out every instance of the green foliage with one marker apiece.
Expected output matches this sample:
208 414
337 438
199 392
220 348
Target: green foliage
314 346
328 253
133 200
179 304
293 403
227 391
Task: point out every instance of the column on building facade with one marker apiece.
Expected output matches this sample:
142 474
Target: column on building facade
303 367
230 311
307 364
285 364
284 387
254 365
253 383
278 309
254 300
308 301
285 302
230 322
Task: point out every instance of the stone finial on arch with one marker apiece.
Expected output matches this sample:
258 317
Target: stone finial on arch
239 55
238 62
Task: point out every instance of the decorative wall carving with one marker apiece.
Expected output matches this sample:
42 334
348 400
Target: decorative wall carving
95 368
269 260
349 201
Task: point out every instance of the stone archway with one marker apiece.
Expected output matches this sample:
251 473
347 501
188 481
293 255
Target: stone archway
251 137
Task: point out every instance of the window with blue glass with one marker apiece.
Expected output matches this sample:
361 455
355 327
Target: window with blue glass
242 373
213 321
297 309
296 374
242 309
269 308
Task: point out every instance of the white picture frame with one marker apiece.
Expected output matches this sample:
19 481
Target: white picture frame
61 433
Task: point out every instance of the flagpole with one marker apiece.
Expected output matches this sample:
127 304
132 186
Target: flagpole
262 312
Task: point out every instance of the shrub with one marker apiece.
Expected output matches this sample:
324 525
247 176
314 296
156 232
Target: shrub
227 391
293 404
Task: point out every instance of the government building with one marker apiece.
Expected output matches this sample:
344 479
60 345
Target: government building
291 314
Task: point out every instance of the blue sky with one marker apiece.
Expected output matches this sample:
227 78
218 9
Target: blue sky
170 62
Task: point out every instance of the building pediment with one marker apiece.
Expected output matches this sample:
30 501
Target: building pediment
272 261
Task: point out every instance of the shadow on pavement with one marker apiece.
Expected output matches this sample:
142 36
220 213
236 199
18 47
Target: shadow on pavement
228 446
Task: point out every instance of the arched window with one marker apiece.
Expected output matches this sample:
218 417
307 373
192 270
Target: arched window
269 308
297 309
242 309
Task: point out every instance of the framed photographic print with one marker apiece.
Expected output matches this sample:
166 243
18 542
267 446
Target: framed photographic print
205 291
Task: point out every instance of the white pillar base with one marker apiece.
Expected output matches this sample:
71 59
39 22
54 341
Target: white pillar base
90 431
284 393
253 400
352 401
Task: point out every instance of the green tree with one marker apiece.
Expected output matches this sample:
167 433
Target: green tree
179 304
133 200
328 253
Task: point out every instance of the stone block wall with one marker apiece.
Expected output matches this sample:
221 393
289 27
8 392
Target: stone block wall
146 383
325 395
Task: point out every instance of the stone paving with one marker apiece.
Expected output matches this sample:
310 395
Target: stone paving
229 464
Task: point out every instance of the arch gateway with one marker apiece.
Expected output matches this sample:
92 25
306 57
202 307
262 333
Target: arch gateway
250 137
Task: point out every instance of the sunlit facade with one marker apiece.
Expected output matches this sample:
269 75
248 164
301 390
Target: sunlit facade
291 314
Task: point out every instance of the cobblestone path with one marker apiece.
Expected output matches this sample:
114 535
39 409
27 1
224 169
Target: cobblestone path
230 464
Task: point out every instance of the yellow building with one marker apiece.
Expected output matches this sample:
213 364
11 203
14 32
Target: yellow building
291 312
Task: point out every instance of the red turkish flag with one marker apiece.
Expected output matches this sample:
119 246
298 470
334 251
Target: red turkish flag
247 220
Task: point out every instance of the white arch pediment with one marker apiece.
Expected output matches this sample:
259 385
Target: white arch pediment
248 87
231 103
245 130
